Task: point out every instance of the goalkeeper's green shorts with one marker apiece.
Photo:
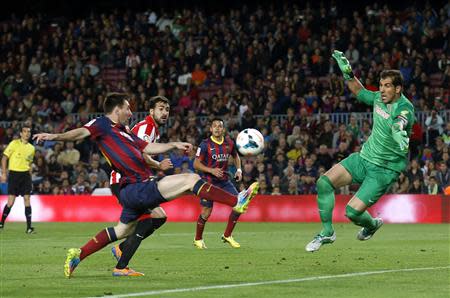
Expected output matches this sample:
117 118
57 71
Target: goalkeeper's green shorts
375 181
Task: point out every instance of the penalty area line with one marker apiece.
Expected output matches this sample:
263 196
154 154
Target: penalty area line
271 282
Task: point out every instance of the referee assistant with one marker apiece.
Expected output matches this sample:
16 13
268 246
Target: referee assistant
18 155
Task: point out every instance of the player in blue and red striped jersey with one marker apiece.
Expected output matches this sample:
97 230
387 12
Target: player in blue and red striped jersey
140 191
212 161
147 130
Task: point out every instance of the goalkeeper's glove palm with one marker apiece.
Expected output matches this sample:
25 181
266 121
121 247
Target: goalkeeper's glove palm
343 64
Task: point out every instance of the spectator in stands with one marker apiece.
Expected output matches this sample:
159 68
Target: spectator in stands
443 175
70 156
416 187
401 185
102 177
434 125
446 134
433 187
324 158
308 176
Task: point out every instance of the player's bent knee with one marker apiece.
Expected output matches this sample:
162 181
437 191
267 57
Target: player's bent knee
351 213
324 185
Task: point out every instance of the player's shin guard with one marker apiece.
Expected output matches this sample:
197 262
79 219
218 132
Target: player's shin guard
232 220
156 223
360 218
325 201
210 192
97 242
200 227
133 241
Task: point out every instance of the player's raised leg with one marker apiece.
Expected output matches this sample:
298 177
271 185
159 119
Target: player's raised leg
173 186
336 177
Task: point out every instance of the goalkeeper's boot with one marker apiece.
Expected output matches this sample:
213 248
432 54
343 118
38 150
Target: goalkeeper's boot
366 234
117 252
245 196
72 261
200 244
230 240
317 242
126 272
30 230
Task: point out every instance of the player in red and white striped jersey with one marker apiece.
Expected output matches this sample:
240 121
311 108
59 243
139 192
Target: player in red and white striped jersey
147 130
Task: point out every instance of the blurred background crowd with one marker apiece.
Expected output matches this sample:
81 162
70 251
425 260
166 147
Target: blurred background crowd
268 68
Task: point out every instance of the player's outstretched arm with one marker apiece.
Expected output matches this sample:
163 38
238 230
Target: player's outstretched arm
157 148
158 165
71 135
352 82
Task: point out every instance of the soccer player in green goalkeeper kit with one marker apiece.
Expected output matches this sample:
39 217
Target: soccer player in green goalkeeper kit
380 161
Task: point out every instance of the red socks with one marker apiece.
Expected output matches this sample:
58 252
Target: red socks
98 242
213 193
200 227
232 220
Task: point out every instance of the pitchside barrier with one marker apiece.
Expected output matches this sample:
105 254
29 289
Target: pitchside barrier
264 208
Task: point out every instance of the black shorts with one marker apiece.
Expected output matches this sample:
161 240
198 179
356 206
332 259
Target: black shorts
19 183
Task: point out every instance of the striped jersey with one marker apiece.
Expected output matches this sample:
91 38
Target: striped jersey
216 155
121 148
146 130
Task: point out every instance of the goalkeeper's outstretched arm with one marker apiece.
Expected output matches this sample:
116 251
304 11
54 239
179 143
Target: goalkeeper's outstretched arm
352 82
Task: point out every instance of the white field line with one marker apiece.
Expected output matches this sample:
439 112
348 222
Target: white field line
271 282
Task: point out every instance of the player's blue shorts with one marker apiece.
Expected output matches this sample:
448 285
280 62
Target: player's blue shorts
225 185
137 198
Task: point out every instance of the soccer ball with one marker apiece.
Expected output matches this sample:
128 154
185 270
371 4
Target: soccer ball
250 142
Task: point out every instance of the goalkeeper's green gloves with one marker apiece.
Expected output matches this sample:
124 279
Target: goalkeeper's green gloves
400 136
343 64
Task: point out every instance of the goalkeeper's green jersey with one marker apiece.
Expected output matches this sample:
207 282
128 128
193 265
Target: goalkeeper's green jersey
381 148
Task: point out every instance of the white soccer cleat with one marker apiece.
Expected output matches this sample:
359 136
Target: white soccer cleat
317 242
366 234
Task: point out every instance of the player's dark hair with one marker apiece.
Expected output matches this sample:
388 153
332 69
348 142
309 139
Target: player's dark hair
155 99
216 119
395 75
113 100
25 125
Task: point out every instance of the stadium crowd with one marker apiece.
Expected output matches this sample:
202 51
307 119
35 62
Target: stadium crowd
236 65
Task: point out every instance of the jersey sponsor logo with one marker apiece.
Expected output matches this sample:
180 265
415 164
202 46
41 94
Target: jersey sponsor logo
220 157
381 112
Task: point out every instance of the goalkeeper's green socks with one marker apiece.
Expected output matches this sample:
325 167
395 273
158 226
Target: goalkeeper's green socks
360 218
325 200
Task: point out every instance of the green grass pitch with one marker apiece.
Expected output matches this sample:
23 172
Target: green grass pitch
272 262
